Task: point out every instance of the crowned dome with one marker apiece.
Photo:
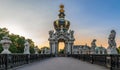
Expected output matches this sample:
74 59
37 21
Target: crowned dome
61 23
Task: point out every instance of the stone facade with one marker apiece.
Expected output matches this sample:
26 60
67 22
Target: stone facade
100 50
81 49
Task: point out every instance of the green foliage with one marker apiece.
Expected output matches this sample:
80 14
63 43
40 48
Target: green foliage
17 45
32 50
13 49
61 51
1 49
39 51
118 49
3 32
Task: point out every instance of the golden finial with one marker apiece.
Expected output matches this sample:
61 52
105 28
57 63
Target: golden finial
61 8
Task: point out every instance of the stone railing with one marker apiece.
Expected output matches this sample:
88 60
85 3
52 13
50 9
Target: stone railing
8 61
110 61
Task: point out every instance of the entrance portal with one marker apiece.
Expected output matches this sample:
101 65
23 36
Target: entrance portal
61 49
61 34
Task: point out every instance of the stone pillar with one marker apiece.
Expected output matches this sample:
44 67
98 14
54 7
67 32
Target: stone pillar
56 48
65 48
71 48
53 48
68 48
50 43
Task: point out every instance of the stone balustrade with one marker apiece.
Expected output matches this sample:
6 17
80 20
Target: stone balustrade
8 61
110 61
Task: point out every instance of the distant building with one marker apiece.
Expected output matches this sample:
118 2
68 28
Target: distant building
100 50
81 49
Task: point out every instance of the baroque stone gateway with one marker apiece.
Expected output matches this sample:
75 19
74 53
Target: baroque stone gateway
61 34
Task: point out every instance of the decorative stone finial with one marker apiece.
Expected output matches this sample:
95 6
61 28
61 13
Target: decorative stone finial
61 15
61 8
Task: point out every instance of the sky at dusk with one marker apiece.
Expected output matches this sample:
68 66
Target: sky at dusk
90 19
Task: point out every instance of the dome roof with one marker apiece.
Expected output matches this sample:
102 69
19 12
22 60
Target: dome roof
61 23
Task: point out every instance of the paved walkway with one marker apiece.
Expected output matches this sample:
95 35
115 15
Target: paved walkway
61 63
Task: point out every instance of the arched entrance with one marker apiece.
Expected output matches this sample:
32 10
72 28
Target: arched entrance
61 34
61 48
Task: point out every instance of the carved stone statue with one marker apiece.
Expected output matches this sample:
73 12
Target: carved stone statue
93 43
112 44
51 33
71 33
27 47
111 39
93 46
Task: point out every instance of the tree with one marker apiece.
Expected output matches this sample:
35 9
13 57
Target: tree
118 49
1 49
31 45
17 45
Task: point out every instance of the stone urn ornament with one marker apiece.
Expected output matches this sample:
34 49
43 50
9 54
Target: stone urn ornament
36 50
5 44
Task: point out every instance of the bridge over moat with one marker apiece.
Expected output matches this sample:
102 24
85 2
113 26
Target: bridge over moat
86 58
48 62
61 63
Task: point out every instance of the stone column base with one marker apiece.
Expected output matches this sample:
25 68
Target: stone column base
112 51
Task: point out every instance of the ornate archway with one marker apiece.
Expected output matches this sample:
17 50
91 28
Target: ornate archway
61 34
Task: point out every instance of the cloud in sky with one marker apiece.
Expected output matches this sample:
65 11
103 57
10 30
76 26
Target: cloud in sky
34 18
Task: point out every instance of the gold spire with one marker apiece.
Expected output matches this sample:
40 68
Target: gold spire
61 8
